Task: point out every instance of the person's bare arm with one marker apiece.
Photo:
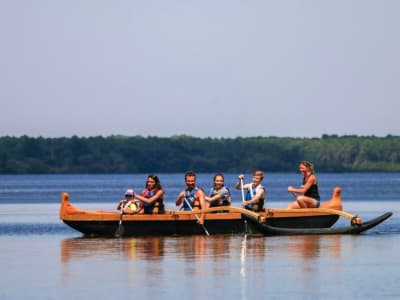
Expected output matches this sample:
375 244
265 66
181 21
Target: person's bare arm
156 196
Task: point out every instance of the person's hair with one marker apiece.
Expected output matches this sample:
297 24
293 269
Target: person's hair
157 186
308 165
190 173
259 173
216 175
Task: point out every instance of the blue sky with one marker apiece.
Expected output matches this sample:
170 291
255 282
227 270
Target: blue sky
201 68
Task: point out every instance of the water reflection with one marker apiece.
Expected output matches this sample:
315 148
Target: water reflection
306 247
155 248
246 262
199 247
150 248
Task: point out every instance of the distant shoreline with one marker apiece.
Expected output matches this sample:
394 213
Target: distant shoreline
176 154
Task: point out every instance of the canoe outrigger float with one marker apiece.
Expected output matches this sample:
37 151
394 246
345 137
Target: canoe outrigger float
217 220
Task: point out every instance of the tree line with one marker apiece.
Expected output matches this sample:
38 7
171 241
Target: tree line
137 154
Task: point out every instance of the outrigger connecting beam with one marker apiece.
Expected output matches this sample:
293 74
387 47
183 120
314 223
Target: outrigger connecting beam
273 211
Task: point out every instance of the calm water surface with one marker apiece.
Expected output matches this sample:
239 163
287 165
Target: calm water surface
41 258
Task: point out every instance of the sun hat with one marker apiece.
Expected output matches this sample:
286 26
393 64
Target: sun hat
129 193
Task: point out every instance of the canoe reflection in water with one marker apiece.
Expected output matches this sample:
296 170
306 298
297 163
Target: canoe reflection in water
151 248
309 247
154 262
198 247
156 248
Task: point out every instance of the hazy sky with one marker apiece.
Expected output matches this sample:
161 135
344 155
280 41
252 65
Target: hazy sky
218 68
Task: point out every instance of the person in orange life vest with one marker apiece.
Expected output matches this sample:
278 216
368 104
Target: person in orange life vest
128 205
255 192
219 194
152 197
192 197
307 196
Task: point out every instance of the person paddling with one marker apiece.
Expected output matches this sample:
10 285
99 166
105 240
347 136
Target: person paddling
255 193
192 197
128 205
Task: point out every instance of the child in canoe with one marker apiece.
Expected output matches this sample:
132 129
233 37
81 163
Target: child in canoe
128 205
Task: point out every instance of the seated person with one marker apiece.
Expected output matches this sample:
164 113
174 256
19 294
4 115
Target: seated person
307 196
192 197
256 194
128 205
219 194
152 197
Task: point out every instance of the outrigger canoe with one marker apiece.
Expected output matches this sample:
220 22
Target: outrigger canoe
217 220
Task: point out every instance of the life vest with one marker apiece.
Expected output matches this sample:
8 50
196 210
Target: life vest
157 207
225 197
128 204
251 192
190 196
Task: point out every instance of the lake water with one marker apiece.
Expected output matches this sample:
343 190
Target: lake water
41 258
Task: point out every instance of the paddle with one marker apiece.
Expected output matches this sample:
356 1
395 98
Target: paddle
120 230
242 188
197 217
250 190
245 230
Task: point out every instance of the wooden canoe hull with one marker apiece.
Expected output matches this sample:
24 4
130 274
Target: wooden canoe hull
231 221
230 224
157 227
219 220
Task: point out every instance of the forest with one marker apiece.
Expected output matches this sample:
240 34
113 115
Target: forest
138 154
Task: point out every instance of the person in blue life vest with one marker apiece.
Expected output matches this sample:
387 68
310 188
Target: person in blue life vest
128 205
192 197
307 196
152 196
255 193
219 194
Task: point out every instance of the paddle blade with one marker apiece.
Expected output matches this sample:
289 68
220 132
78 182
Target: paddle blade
120 230
205 230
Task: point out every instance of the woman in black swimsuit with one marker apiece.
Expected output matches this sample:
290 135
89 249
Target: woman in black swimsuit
307 196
